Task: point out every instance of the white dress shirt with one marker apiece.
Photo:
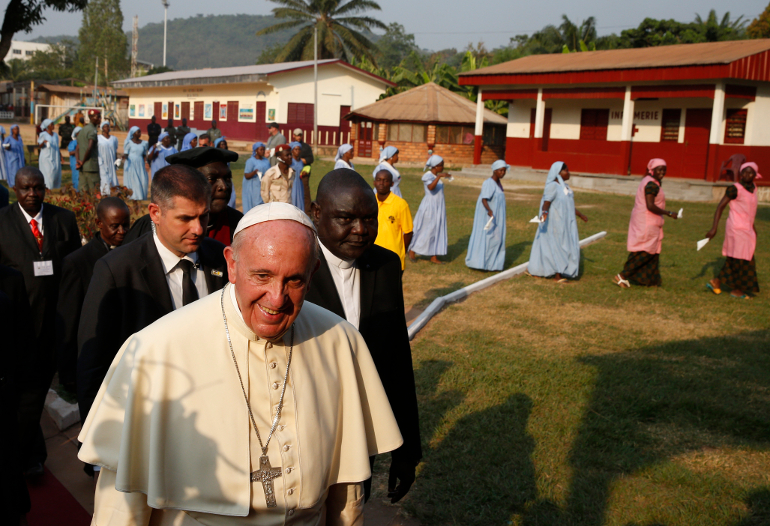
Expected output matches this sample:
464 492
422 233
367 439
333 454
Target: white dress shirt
38 218
174 273
347 279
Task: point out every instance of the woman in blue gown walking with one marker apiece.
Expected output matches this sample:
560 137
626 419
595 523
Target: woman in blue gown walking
134 173
189 142
389 157
486 249
556 249
107 146
255 168
72 148
14 154
3 163
50 159
430 228
297 189
158 153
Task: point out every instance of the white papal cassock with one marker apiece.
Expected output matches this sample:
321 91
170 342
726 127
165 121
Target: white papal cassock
171 429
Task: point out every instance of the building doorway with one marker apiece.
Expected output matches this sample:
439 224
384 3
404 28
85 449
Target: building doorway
697 129
365 132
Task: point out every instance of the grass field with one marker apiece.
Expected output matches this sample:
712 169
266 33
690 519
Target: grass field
585 404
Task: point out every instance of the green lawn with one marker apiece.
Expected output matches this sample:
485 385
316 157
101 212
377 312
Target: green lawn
585 404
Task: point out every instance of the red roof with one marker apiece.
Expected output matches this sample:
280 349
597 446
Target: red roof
740 59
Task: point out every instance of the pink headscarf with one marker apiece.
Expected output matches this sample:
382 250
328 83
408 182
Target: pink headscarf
654 163
754 166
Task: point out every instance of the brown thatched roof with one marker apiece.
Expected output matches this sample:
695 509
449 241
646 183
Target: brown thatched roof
429 103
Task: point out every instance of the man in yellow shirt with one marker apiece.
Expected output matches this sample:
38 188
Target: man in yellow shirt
395 220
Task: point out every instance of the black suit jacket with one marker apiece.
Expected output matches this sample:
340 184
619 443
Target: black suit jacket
4 197
18 250
383 326
128 292
76 273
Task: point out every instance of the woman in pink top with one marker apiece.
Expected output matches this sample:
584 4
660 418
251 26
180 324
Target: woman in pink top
645 230
739 272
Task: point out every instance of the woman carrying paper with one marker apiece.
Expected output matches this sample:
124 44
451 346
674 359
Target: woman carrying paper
486 249
739 272
556 249
645 230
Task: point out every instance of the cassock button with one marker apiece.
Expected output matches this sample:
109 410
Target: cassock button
291 491
291 512
276 385
269 345
280 428
273 365
288 470
286 447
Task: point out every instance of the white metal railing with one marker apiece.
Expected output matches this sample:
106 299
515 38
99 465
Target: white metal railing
6 115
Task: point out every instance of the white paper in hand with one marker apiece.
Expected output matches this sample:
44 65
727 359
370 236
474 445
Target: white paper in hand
535 219
702 243
117 163
679 215
489 223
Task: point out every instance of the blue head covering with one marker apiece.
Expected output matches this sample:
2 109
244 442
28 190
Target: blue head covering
294 144
131 133
257 145
342 150
76 131
387 153
216 143
186 142
162 136
45 124
553 173
2 130
107 123
13 126
500 164
433 161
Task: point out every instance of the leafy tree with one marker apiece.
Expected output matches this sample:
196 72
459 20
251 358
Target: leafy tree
760 26
23 15
394 46
269 54
339 33
578 38
159 69
101 35
714 30
16 69
57 63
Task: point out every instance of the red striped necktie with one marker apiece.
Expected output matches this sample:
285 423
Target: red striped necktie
38 235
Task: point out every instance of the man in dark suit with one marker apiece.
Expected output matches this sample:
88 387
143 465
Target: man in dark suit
214 163
4 197
140 282
112 219
15 324
361 282
34 239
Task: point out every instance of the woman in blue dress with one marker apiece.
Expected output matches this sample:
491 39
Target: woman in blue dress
389 157
344 157
108 154
3 163
486 249
256 166
189 142
158 153
430 229
134 173
14 154
556 249
72 148
297 189
222 143
50 159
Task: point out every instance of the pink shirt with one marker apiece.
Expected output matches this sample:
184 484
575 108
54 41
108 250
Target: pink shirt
645 231
740 238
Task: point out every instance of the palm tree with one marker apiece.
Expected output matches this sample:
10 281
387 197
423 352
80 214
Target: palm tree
339 33
714 30
578 38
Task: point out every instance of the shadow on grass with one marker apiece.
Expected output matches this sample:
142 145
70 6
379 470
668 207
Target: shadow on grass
759 509
432 294
514 252
715 266
658 402
457 248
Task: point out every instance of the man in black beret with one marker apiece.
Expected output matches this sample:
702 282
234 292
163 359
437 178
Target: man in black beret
214 163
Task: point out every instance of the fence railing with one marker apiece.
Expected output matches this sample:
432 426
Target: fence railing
6 115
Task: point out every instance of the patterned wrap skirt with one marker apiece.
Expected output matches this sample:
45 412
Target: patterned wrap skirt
739 274
643 268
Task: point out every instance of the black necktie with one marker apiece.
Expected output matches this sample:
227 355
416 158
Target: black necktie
189 292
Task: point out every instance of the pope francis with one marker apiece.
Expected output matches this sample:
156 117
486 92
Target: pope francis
245 407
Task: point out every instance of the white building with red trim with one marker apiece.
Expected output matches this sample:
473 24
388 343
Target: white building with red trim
244 99
609 112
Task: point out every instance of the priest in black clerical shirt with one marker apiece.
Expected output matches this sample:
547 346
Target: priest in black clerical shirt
112 219
361 282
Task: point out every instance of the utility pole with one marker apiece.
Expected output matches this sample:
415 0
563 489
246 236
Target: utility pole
134 46
165 29
315 89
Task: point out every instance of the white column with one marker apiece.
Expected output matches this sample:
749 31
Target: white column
627 126
479 115
539 114
718 113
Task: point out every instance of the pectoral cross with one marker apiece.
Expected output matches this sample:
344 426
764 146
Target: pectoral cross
266 474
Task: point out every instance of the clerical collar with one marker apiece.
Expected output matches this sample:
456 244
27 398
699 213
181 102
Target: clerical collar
331 259
168 258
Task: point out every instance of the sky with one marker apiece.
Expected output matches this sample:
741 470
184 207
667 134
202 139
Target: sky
440 24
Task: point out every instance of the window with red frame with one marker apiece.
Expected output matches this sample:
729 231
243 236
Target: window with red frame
735 128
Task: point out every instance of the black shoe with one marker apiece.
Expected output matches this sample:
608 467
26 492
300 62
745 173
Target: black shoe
34 471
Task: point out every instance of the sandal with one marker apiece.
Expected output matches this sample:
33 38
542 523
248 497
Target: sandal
743 297
620 282
562 281
713 289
